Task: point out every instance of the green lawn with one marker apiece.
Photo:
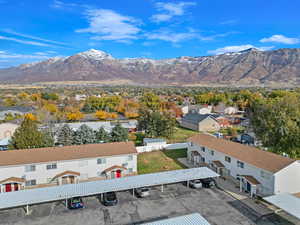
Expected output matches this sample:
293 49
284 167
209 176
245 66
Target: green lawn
157 161
181 135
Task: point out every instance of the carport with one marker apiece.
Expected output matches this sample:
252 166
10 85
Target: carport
287 202
191 219
25 198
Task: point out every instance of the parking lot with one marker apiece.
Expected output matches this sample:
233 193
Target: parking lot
213 204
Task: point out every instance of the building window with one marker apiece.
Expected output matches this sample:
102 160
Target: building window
240 164
192 144
227 159
101 161
203 159
51 166
212 152
130 170
130 158
203 149
125 165
30 183
30 168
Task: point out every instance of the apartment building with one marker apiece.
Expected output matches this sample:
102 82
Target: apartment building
39 167
258 172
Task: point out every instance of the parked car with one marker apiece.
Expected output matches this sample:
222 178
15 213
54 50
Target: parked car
109 199
208 182
195 184
75 203
142 192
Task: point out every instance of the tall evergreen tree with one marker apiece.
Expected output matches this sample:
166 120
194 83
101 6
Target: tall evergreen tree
84 135
65 136
102 135
119 133
28 136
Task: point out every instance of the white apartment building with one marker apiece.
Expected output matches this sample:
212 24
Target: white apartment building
29 168
259 172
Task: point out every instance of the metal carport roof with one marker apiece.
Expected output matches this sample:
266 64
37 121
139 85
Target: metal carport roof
287 202
48 194
191 219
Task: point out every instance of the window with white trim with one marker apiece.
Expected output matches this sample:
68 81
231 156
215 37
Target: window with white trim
101 161
240 164
129 158
30 168
130 170
212 152
51 166
30 182
203 149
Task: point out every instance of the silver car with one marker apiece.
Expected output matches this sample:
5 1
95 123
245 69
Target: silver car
142 192
195 184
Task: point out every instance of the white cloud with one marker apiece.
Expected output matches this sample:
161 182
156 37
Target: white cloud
24 41
173 37
6 56
169 10
8 31
62 5
237 48
278 38
110 25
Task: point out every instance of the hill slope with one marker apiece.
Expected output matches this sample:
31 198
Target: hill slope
249 67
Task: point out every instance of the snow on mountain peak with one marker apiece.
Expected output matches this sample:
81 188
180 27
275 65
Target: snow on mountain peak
95 54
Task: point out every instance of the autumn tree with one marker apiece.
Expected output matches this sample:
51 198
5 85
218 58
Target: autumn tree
74 116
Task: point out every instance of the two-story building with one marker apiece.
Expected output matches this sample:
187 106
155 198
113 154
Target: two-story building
258 172
28 168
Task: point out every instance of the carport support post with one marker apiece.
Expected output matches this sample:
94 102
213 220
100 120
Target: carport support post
162 188
241 185
27 210
133 192
66 203
187 183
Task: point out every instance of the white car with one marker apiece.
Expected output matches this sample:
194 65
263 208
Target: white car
195 184
142 192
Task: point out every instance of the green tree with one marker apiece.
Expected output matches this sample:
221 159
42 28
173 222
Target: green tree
28 136
102 135
65 136
84 135
277 123
156 123
119 133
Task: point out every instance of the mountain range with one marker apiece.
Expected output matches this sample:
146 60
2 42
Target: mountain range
249 67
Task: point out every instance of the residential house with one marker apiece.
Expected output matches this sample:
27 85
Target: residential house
131 125
39 167
223 109
14 110
6 131
257 171
200 122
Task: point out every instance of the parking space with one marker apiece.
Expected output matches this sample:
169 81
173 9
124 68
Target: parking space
213 204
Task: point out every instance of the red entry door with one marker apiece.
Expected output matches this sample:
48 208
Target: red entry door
7 187
118 173
16 186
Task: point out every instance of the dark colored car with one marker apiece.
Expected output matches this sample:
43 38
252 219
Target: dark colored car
208 182
109 199
75 203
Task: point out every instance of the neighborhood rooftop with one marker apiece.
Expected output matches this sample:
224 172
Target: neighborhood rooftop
251 155
52 154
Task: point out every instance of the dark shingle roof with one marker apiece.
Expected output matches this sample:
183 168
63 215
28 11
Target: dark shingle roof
196 117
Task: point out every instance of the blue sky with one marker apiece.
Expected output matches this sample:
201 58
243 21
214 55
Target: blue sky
32 30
